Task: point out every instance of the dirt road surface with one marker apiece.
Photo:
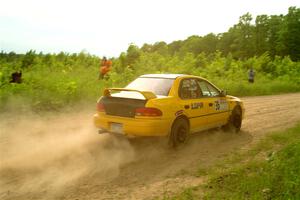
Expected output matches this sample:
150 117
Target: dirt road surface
62 156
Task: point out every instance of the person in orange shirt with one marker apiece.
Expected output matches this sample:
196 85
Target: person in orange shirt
105 67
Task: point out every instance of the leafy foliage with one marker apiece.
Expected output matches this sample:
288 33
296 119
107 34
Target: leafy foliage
270 46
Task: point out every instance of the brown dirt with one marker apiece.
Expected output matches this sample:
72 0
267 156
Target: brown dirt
62 157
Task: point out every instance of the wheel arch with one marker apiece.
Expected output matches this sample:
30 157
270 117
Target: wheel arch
176 136
235 119
181 117
238 109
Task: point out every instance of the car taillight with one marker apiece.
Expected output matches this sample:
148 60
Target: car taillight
100 107
148 112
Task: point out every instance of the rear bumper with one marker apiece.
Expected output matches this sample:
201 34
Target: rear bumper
134 126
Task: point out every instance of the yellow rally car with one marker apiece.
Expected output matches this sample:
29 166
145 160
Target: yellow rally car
172 105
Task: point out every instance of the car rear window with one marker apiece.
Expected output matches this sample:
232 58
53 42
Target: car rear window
159 86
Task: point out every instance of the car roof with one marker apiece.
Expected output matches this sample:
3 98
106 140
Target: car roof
170 76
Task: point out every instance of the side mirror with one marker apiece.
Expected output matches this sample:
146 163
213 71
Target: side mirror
223 93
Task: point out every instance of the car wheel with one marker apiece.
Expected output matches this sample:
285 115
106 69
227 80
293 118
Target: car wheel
235 121
179 132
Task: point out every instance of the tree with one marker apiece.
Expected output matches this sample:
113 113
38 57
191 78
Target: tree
244 37
192 44
133 54
274 43
261 34
174 47
208 43
290 34
28 59
160 47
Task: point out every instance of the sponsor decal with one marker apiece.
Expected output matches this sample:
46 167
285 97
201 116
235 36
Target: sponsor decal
221 104
197 105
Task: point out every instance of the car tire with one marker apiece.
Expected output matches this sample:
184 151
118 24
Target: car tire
235 121
179 132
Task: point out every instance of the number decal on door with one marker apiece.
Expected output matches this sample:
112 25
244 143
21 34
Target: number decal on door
221 105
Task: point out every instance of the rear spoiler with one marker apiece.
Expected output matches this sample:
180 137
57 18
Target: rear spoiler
147 94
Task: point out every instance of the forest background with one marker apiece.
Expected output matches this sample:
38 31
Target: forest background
270 44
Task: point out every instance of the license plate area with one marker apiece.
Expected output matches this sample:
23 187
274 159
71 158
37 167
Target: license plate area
116 128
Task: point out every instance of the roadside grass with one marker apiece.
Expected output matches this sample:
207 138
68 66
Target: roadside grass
54 82
50 91
261 86
269 170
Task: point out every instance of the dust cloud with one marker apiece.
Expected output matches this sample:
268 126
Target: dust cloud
44 155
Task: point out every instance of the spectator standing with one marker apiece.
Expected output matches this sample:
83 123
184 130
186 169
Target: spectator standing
105 67
251 75
16 77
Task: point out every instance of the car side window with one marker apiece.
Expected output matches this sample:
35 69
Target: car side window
189 89
207 89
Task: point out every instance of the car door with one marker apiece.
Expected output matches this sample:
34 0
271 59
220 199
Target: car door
192 103
217 106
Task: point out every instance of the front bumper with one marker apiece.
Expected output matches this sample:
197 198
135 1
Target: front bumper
134 126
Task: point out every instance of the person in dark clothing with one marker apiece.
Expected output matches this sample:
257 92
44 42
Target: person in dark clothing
251 75
16 77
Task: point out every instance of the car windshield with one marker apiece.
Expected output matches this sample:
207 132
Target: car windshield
159 86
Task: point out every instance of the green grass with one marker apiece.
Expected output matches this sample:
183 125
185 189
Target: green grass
53 82
261 86
44 90
270 170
